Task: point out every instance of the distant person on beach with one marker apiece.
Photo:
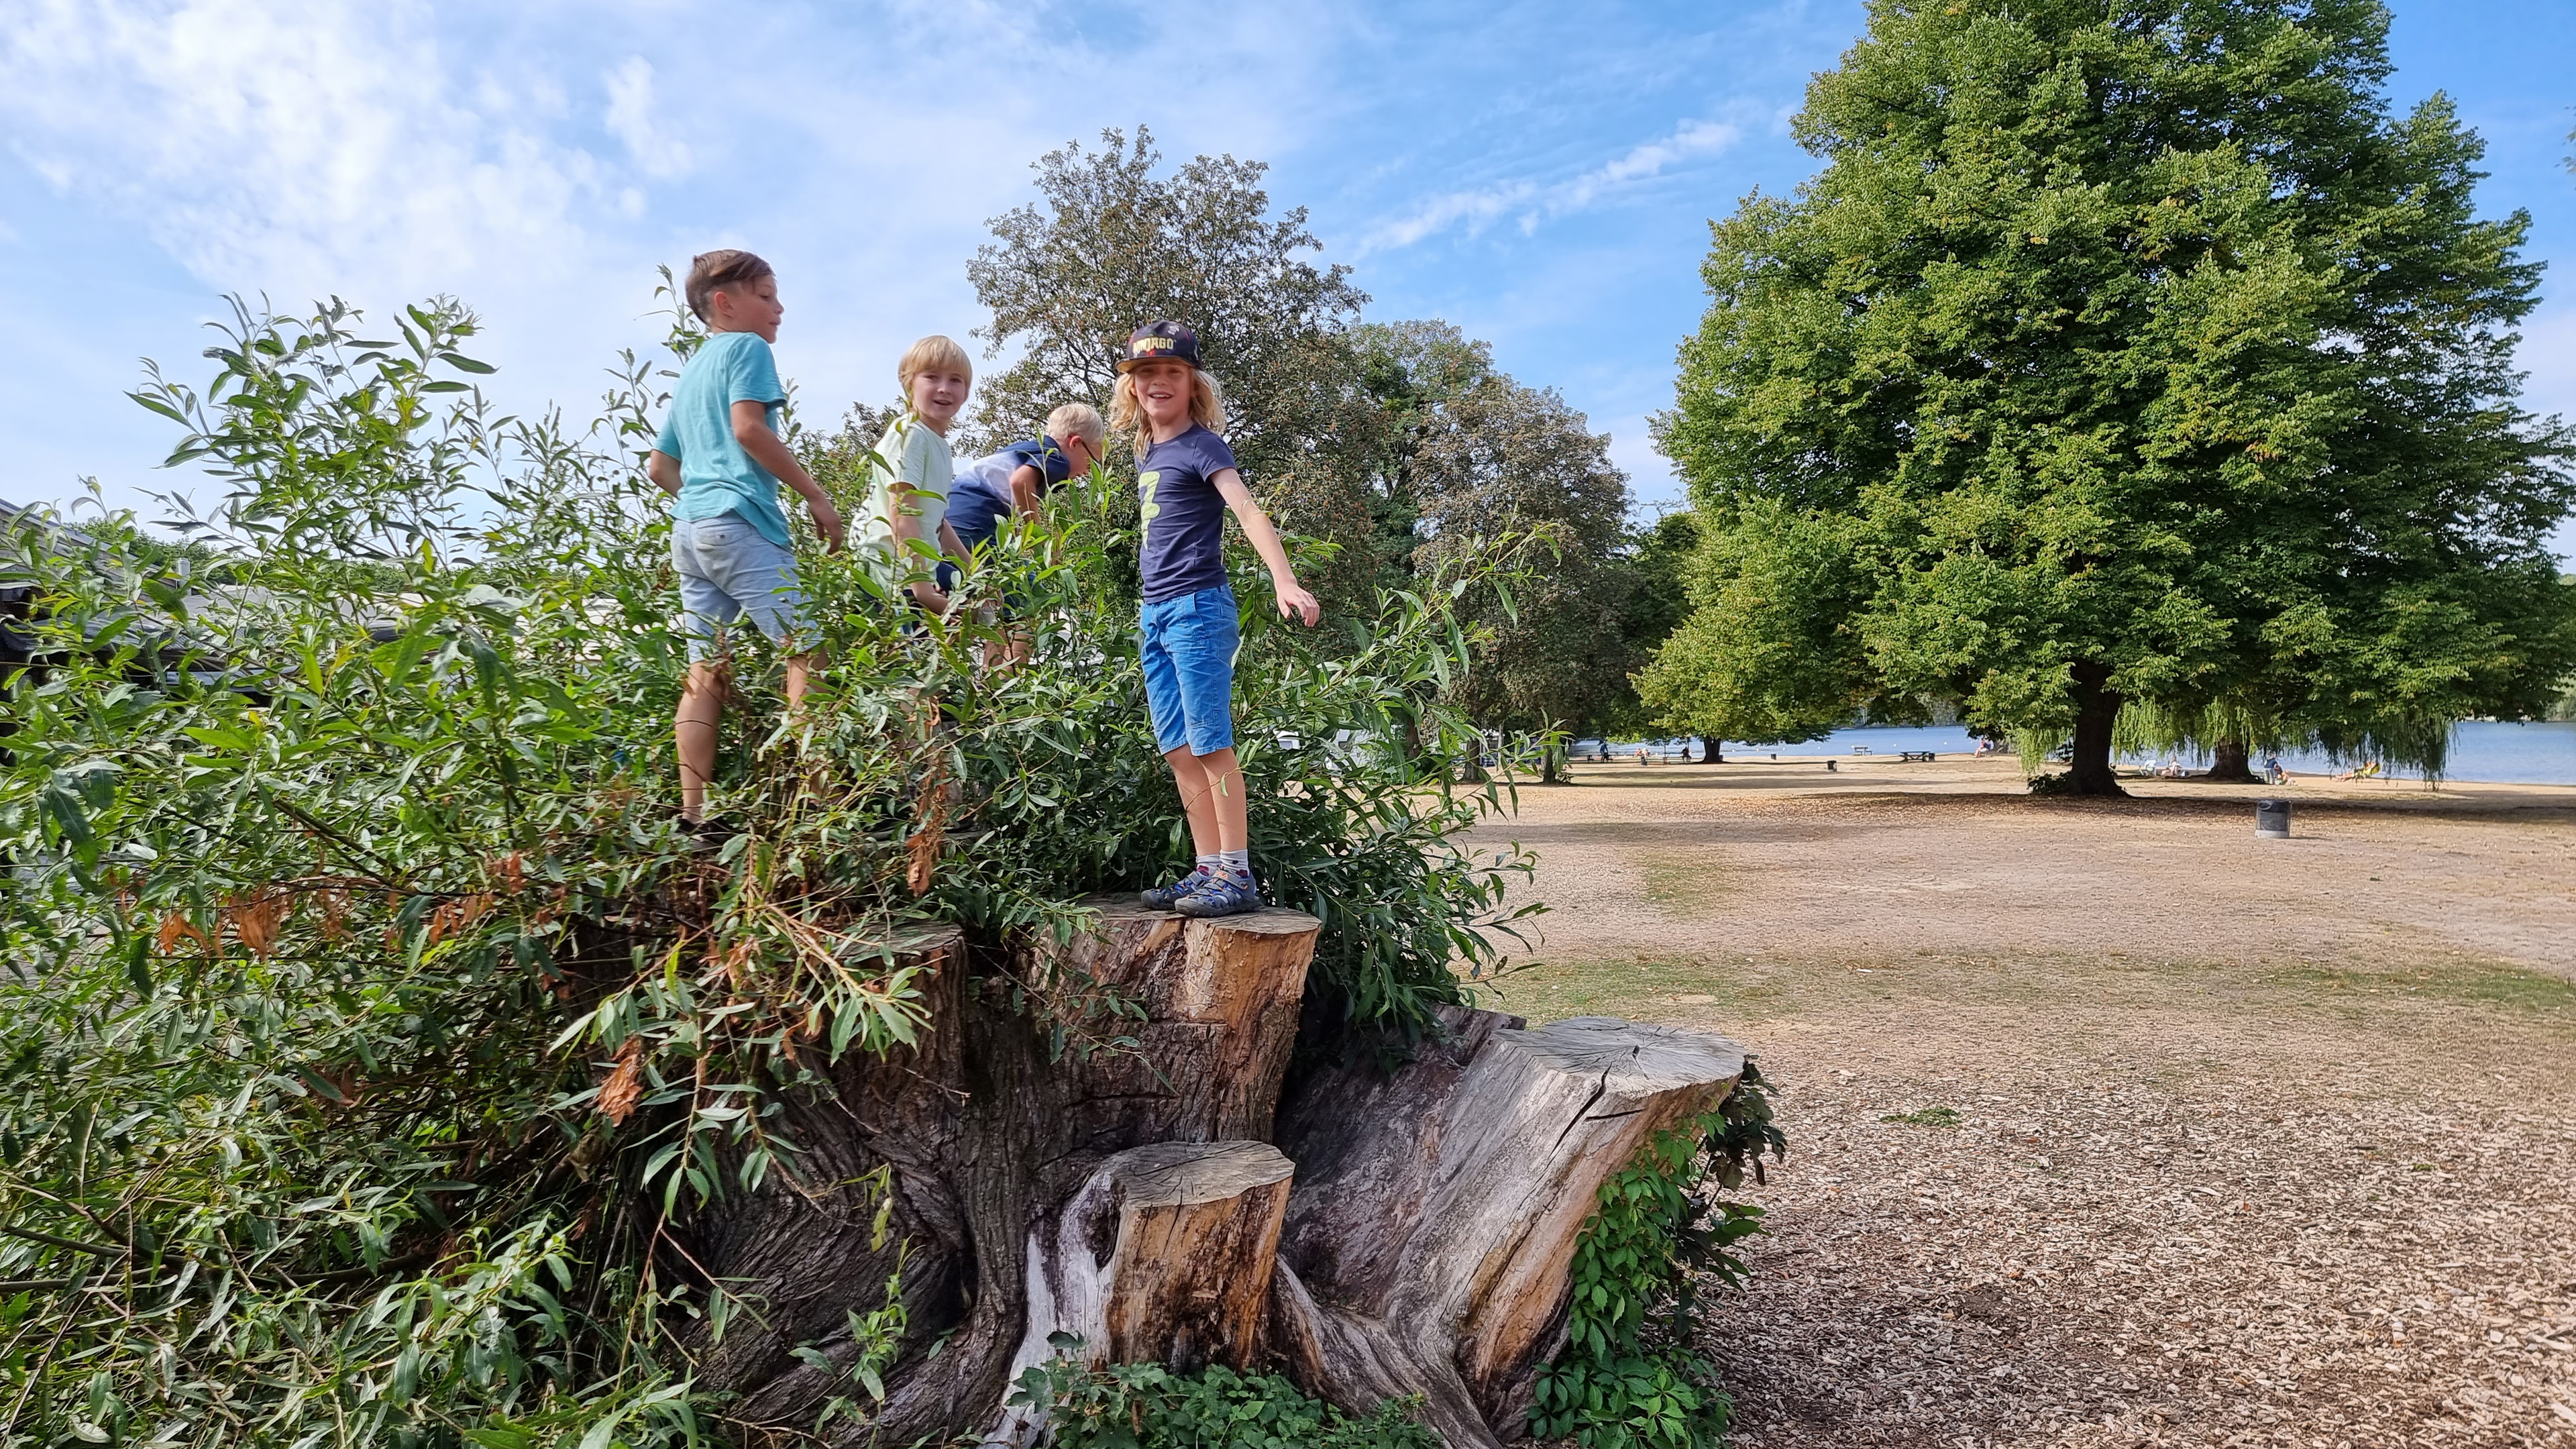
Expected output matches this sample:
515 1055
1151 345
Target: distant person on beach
720 457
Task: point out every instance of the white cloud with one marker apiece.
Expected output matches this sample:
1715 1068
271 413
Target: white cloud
1694 140
630 116
1475 208
1533 203
524 158
275 143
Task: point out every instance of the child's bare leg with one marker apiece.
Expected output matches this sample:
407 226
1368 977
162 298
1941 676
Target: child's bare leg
1224 777
800 677
1198 800
694 731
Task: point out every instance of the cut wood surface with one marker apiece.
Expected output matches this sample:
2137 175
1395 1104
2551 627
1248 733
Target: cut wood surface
1164 1256
1221 1000
1436 1211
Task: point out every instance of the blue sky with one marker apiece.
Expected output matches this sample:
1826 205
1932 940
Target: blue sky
1542 175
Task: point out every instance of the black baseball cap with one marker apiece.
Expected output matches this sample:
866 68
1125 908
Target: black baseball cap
1157 340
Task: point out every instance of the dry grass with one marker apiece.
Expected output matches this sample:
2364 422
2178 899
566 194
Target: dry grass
2215 1179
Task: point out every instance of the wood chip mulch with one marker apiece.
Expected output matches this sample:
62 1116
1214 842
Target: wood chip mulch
2089 1261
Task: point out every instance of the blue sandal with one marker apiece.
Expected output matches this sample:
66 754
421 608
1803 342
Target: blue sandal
1221 895
1169 897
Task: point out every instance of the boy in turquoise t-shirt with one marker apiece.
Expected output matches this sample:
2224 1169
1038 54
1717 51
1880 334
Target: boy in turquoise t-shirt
719 452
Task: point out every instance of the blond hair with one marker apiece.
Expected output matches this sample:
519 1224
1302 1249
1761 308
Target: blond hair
929 352
1127 411
1077 420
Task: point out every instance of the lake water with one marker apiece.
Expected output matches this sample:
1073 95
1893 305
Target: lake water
2484 751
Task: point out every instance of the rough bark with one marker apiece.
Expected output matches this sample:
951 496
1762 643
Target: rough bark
2097 711
1420 1222
1436 1210
1165 1255
988 1133
2229 763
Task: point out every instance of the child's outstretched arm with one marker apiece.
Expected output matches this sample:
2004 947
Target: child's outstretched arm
1294 601
1027 485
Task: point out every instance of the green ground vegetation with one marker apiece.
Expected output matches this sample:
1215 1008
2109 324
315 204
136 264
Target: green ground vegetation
1148 1406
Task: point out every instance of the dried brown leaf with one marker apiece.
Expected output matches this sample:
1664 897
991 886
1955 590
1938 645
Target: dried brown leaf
625 1084
255 915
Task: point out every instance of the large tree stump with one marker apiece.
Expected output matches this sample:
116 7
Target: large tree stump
1412 1238
990 1135
1436 1211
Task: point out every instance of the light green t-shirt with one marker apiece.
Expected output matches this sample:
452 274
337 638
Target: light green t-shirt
921 459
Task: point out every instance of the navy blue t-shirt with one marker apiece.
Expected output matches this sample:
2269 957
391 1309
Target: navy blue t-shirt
1184 514
980 498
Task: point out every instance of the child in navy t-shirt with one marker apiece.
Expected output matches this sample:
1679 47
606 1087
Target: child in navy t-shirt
1185 482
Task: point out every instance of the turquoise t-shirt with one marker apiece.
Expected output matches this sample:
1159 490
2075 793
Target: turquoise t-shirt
716 476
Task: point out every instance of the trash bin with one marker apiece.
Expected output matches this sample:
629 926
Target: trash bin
2272 819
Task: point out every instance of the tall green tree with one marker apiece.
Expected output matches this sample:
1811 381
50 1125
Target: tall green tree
1472 456
2121 352
1110 244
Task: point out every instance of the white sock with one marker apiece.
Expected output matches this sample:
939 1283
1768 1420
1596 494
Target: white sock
1208 864
1236 863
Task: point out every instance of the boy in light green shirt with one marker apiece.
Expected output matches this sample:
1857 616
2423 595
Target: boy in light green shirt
907 505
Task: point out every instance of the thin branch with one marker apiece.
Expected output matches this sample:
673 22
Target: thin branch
75 1244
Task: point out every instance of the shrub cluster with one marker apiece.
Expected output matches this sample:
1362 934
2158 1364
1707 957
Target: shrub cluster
1148 1406
364 1014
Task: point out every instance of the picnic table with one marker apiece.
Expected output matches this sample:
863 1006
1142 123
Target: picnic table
1914 757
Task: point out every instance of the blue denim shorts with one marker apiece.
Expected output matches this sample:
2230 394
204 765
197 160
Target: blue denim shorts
1188 646
730 570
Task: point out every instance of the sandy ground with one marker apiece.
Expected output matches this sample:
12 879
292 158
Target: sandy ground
2111 1124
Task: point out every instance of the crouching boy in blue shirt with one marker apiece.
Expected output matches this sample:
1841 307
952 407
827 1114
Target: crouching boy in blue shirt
1185 482
992 488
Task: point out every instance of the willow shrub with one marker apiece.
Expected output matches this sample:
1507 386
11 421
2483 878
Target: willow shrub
364 1012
